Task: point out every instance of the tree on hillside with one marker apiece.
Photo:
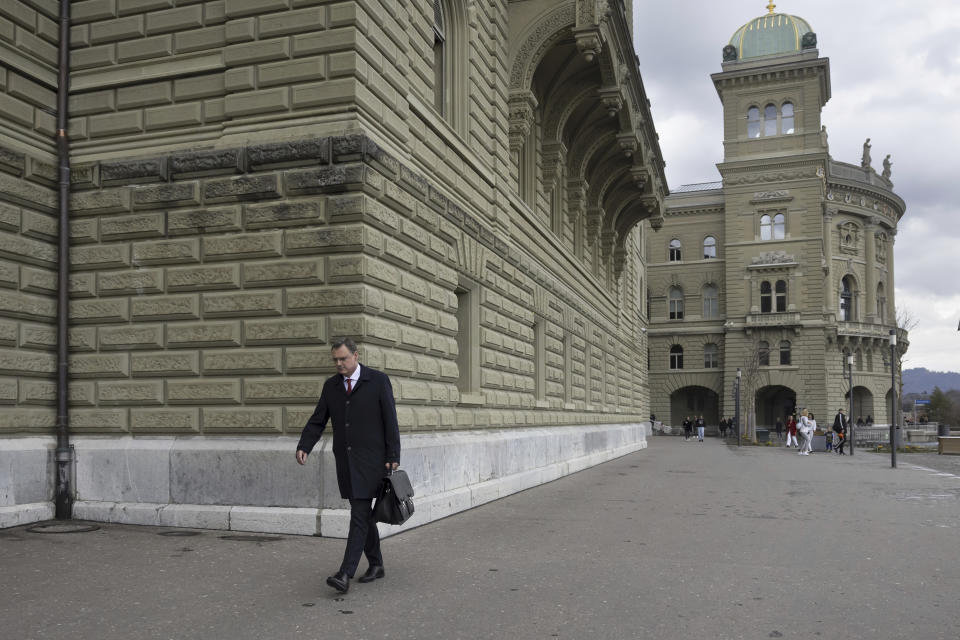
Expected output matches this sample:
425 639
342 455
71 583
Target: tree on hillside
906 322
939 409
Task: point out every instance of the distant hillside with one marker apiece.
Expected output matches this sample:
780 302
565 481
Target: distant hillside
920 380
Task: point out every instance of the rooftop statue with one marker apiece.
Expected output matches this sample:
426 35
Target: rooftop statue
865 161
886 167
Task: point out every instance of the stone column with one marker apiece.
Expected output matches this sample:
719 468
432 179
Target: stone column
831 294
870 313
891 302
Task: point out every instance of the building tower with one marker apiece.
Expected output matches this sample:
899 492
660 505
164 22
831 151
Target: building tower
784 267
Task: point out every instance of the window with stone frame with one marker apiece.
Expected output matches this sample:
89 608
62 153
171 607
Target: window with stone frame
766 297
763 353
674 253
766 227
753 122
440 59
711 302
780 289
849 237
785 352
675 303
709 247
711 356
786 119
773 226
676 357
848 299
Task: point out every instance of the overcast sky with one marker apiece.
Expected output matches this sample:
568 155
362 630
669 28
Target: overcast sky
895 77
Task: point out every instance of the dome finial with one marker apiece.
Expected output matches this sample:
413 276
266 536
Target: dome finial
771 7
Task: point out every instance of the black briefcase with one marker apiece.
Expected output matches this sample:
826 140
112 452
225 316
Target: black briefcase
394 503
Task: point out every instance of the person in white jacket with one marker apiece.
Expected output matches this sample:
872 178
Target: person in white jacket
807 426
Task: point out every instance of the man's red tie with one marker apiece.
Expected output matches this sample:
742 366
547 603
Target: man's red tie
349 385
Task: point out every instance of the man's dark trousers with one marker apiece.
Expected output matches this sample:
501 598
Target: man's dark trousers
363 538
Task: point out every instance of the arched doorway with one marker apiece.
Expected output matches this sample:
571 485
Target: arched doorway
774 402
863 404
695 401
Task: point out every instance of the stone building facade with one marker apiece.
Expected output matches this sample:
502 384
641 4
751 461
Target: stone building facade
458 185
784 266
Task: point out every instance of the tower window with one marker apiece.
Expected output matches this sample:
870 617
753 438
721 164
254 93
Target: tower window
779 226
770 120
711 356
674 253
753 122
766 228
766 298
781 290
785 352
709 247
676 357
786 118
676 303
763 351
710 305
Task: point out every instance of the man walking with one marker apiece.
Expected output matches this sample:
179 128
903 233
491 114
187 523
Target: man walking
366 442
840 424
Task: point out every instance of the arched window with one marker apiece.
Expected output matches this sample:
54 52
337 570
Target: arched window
847 299
781 290
440 60
770 120
711 356
711 307
753 122
766 297
709 247
881 303
779 226
676 357
674 253
675 298
766 228
859 360
869 359
763 350
786 118
784 352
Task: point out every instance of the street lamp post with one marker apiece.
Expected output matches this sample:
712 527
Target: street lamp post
736 391
850 415
893 398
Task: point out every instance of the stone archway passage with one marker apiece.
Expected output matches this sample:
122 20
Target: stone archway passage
863 403
773 402
695 401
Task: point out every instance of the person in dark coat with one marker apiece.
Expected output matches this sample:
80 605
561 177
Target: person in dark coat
359 402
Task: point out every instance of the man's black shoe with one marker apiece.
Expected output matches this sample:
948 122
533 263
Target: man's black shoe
339 581
375 571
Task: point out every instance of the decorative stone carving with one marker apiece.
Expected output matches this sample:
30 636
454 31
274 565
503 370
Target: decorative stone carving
887 167
809 40
729 53
782 194
865 159
555 26
588 42
773 257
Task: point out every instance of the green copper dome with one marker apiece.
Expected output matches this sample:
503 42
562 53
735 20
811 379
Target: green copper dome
772 34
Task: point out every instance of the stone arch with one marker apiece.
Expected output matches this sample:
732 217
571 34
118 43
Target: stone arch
551 28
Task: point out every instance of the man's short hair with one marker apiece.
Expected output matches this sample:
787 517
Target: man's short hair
344 342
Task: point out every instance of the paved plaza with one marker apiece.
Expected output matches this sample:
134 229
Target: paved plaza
682 540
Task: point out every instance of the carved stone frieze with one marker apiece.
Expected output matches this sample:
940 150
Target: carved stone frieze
773 258
552 28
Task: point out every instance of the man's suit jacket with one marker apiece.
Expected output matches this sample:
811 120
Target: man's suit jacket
840 422
365 431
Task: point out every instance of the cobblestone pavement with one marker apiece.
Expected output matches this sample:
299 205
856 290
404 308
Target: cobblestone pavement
682 540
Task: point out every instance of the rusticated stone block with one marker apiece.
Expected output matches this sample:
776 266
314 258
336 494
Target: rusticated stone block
177 194
99 311
284 214
167 251
82 285
165 420
295 417
165 363
333 179
286 331
243 245
244 420
201 163
12 161
260 187
144 225
246 361
204 220
310 360
39 225
105 201
27 363
203 334
8 390
22 249
30 392
326 300
22 305
135 282
9 217
38 336
137 336
284 390
258 303
28 194
99 365
359 147
111 256
82 338
9 274
84 231
348 326
8 333
133 170
203 391
327 240
396 196
283 273
99 420
294 152
15 419
130 393
400 254
218 277
181 307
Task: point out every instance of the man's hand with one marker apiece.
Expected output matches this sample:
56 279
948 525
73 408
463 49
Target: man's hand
390 465
302 456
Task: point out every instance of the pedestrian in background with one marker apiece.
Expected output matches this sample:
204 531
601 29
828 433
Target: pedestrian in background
807 426
700 428
687 429
779 427
359 402
840 424
792 431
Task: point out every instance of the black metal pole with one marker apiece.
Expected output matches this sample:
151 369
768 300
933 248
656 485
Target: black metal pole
737 404
63 500
893 398
850 415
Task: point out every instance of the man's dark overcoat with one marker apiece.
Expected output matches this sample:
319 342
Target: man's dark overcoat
365 431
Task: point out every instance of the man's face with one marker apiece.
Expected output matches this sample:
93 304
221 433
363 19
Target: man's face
345 361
